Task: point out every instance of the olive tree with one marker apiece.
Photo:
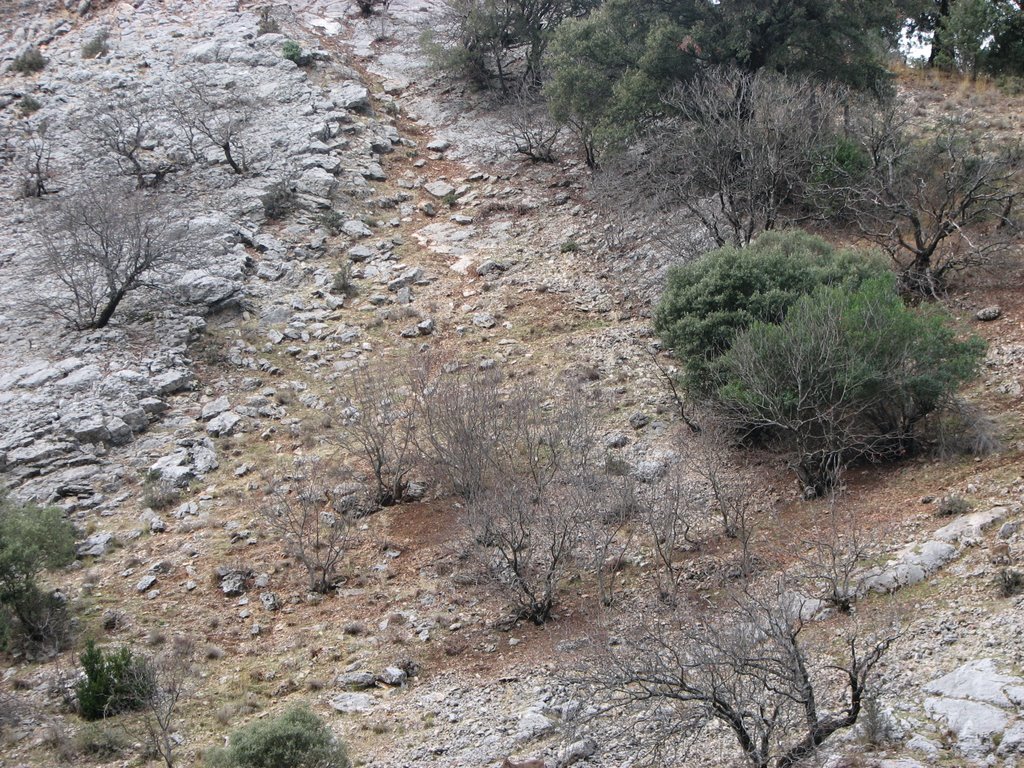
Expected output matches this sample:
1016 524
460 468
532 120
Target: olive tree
102 244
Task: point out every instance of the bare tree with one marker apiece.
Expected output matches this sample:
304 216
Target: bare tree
104 243
36 153
166 680
611 533
315 532
379 426
127 131
752 666
215 117
740 154
937 201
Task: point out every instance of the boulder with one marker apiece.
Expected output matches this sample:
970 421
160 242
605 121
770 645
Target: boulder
224 424
96 545
351 703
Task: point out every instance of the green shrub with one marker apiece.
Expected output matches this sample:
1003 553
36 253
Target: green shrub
295 739
293 52
115 681
846 376
32 539
708 302
28 104
31 60
97 46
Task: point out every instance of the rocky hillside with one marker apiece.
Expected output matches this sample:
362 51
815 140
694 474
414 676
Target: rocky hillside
382 216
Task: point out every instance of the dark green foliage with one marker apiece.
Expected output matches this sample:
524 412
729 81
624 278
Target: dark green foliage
835 40
293 52
708 302
609 71
115 682
31 60
846 376
1005 55
1010 582
32 539
295 739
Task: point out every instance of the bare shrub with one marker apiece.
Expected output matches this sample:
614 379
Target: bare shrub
461 424
670 513
168 681
740 154
102 244
751 667
528 127
378 425
938 203
530 522
833 561
314 532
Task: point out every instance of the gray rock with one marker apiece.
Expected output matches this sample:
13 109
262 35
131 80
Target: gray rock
483 320
1013 740
269 600
359 253
351 703
1008 529
145 582
96 545
988 313
170 382
393 676
978 681
639 420
616 440
438 145
215 408
967 529
462 219
224 424
212 292
356 681
174 469
489 267
974 724
351 96
439 189
354 228
232 582
425 327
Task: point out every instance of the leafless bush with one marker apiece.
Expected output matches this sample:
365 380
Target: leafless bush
101 245
379 426
529 128
215 117
749 666
167 681
533 517
833 561
740 154
314 532
938 203
670 513
462 423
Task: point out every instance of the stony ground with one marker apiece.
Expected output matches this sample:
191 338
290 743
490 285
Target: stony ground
456 248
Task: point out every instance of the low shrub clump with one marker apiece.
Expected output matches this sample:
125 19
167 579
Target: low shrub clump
708 302
31 60
115 682
295 739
